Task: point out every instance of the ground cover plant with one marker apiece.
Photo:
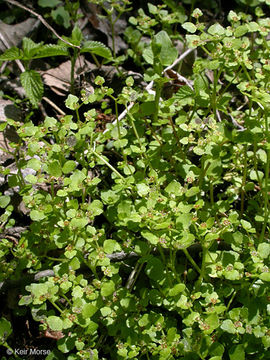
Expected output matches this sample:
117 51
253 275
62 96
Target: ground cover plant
135 193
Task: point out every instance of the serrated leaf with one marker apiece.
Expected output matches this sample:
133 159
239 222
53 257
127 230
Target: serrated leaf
50 50
184 92
13 53
96 48
33 86
30 47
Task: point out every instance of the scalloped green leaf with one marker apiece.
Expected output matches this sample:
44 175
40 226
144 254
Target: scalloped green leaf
55 323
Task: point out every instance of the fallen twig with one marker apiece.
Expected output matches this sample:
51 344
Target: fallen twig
44 22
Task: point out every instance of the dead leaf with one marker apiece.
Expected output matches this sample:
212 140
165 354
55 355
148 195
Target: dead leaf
58 79
12 35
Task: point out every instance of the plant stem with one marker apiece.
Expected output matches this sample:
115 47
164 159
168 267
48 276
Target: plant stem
56 306
73 61
157 99
243 181
191 260
109 165
165 264
266 174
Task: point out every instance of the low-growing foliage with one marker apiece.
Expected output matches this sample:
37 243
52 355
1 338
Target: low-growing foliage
157 229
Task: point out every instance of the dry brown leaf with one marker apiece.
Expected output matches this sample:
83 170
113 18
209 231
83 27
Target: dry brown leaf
58 79
12 35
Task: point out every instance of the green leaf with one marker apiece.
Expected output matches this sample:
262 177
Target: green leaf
48 3
55 323
109 246
30 47
264 250
69 166
31 179
192 191
241 30
190 27
142 189
184 92
177 289
11 54
88 310
228 326
237 352
34 164
107 288
4 201
96 48
67 343
79 223
36 215
5 329
33 86
153 239
72 102
168 52
216 29
61 17
54 169
174 188
49 50
154 269
265 276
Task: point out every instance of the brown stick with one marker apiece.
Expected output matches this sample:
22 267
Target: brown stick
44 22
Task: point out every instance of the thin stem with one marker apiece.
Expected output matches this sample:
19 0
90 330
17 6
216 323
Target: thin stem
16 3
109 165
211 193
56 306
266 174
191 260
73 61
243 182
165 262
157 99
230 301
95 60
177 138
